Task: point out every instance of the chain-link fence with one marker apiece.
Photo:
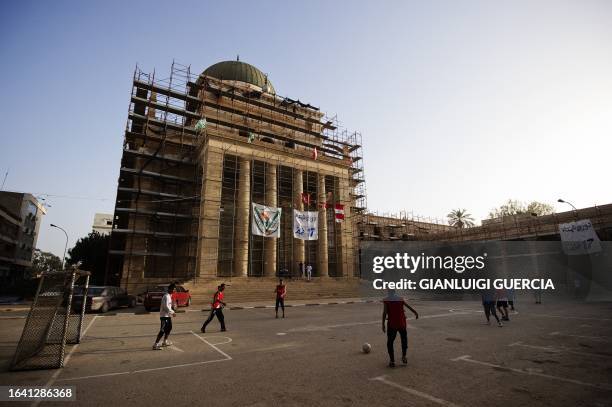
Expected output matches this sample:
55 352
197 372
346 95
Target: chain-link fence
52 321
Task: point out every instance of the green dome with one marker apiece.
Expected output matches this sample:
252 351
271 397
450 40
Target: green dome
238 71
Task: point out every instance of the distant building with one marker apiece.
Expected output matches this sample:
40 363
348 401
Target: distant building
20 219
103 223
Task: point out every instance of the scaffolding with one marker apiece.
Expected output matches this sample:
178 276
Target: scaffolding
154 223
180 195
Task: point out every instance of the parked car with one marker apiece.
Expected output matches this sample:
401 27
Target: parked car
152 297
102 298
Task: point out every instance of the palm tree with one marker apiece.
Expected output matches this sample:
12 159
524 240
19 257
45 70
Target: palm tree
460 218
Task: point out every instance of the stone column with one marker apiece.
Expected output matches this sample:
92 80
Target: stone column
210 202
344 230
298 244
270 242
243 208
322 242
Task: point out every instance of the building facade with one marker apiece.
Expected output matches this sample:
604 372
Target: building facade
200 151
102 223
20 219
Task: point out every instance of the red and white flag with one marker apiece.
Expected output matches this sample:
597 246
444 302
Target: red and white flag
315 153
339 209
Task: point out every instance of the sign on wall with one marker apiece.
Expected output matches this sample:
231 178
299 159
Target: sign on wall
266 221
579 237
305 225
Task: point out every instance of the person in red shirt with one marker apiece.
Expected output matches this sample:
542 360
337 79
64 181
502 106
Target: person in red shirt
281 291
216 309
393 313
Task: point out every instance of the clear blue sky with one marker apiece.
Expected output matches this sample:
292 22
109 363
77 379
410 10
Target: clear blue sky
460 103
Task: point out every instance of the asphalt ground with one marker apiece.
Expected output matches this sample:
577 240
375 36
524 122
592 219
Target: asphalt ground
546 355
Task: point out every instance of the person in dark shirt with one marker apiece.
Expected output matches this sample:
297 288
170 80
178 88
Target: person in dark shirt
393 314
281 291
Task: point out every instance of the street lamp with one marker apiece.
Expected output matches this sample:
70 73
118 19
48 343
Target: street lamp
66 246
569 203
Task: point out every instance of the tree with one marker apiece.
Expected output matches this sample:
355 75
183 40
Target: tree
460 218
92 251
44 261
514 207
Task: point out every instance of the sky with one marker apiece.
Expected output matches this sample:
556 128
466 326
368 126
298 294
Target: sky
461 104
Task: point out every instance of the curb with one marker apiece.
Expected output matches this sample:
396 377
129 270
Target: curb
234 308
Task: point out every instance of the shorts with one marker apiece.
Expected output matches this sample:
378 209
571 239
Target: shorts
502 304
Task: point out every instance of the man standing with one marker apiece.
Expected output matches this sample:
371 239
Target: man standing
502 303
396 322
488 303
309 272
216 309
165 316
281 290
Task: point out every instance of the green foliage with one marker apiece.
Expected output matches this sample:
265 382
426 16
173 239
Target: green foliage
460 218
44 261
514 207
92 251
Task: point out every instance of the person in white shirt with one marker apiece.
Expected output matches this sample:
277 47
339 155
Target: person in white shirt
165 316
309 272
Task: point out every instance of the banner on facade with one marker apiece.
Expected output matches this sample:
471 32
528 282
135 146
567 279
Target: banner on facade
339 213
305 225
266 220
579 238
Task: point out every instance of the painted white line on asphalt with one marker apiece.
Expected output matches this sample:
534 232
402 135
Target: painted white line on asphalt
464 310
55 375
277 347
468 358
176 348
227 339
314 328
228 357
560 349
281 333
429 397
594 338
568 317
70 379
181 365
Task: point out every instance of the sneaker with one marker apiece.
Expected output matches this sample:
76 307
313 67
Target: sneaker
488 322
404 360
391 364
167 343
157 346
499 324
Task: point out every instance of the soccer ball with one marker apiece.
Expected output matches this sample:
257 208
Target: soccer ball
366 348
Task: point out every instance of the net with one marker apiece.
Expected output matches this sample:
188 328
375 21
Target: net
52 321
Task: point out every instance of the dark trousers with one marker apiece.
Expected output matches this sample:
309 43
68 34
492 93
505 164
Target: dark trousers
489 308
219 313
391 334
281 302
164 328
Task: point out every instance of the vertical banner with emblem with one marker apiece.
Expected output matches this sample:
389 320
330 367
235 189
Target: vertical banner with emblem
266 220
305 225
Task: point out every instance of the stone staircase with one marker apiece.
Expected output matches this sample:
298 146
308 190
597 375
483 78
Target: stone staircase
241 290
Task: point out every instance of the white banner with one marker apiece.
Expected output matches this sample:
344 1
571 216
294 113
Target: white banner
266 221
579 238
305 225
